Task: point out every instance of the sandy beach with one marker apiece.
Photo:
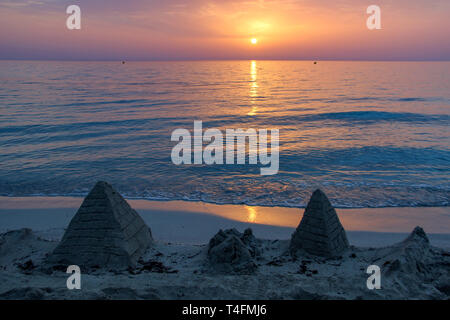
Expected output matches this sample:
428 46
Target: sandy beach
178 264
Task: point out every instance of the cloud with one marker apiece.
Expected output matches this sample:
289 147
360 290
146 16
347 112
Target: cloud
290 27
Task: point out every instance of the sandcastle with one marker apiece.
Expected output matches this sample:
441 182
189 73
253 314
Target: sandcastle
230 251
104 233
320 232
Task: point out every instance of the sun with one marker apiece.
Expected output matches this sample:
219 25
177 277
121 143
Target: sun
254 40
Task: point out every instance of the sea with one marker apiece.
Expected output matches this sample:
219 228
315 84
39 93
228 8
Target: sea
369 134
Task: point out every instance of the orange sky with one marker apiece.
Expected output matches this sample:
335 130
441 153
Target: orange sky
208 29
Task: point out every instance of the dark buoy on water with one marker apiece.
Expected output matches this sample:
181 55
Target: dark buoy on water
315 62
123 62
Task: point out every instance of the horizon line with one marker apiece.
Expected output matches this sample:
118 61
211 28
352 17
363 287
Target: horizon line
230 59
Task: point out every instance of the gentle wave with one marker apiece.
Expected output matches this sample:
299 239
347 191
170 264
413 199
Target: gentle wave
66 125
367 117
340 196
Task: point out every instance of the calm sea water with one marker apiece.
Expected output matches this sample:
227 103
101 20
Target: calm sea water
368 133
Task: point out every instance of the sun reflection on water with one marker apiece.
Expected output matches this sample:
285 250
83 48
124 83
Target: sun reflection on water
252 214
253 88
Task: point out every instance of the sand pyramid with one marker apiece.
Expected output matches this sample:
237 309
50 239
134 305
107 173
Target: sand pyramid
320 232
105 233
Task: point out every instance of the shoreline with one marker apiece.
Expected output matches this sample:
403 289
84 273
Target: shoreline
165 200
196 222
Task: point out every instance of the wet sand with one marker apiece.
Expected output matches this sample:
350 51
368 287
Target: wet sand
196 222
